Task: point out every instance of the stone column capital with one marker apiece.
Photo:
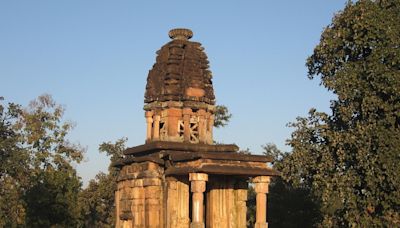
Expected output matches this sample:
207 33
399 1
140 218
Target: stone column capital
261 184
198 177
187 111
201 112
148 114
261 179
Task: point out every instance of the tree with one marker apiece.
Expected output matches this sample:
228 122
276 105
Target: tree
54 184
13 177
349 159
288 205
97 200
222 116
39 185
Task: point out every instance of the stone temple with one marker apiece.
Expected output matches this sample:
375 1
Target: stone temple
180 177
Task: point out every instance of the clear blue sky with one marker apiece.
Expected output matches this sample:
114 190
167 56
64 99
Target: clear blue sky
94 56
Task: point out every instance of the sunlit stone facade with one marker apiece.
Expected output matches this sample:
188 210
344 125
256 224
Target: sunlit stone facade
179 177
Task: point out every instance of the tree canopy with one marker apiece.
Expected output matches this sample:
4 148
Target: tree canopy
39 185
97 199
349 159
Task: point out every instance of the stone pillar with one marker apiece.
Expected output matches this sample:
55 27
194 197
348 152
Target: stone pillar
186 124
156 127
241 198
172 199
138 204
149 122
177 209
210 127
153 207
174 114
261 188
202 125
198 187
230 203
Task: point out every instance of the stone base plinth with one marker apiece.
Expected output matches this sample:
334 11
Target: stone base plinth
197 225
261 225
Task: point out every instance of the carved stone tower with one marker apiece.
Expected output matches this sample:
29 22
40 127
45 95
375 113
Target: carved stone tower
179 94
179 178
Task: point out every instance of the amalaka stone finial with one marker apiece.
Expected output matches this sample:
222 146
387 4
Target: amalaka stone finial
180 34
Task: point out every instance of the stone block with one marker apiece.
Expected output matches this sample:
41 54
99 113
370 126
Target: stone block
261 225
198 186
197 225
241 194
151 182
153 192
198 177
172 185
261 179
138 183
152 166
261 187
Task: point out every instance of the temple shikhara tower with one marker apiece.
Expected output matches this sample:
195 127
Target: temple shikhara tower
179 177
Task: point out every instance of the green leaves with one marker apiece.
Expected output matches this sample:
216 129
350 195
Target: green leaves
222 116
39 186
350 158
97 200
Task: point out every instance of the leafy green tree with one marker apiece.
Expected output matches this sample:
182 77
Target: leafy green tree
39 185
97 200
288 205
251 207
222 116
350 159
13 169
52 199
54 185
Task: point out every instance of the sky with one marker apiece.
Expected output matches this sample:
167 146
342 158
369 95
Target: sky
93 57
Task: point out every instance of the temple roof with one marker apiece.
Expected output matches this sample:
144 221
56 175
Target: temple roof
181 72
184 158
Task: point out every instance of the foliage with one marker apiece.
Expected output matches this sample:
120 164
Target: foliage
288 205
52 199
39 185
222 116
251 207
349 160
115 151
13 178
97 200
244 151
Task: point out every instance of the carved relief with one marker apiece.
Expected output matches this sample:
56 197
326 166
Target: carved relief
181 73
163 130
181 130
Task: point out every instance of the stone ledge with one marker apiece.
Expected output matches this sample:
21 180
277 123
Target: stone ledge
179 156
222 170
156 146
